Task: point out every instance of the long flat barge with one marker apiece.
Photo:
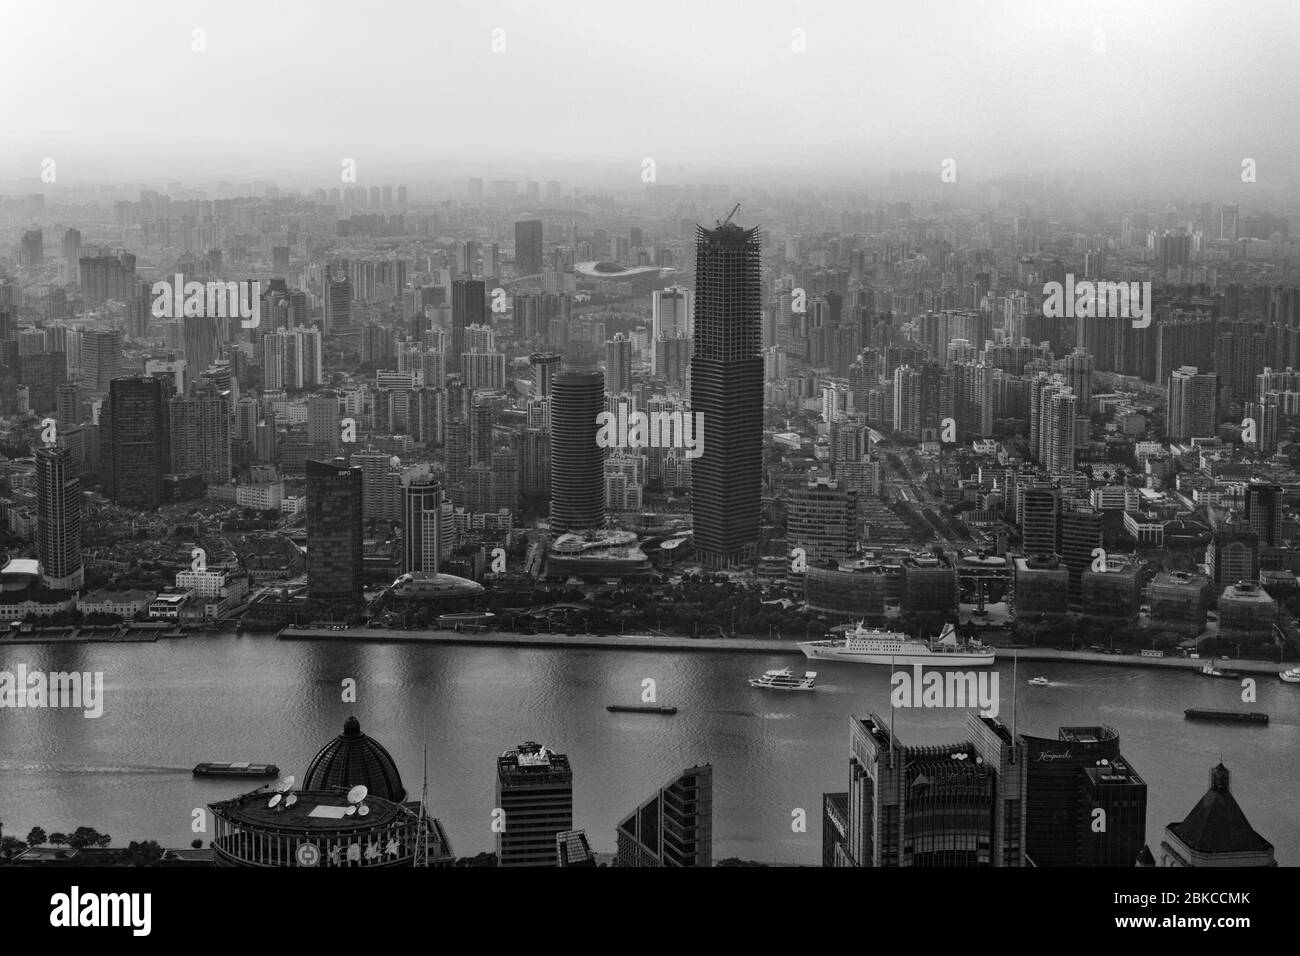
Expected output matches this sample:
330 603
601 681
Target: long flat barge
639 709
1228 716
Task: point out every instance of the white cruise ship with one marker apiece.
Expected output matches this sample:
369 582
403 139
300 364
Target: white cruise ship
784 679
868 645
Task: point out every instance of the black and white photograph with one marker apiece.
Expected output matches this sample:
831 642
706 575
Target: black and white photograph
754 435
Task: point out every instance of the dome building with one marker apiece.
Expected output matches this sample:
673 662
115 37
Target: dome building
328 822
352 758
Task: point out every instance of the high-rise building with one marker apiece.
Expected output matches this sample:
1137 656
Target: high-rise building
134 424
1074 783
199 428
1192 404
674 827
545 367
1264 511
960 805
338 299
822 519
422 531
1215 833
58 519
1039 524
727 390
573 849
205 340
535 794
577 462
528 247
1080 536
101 358
334 532
618 364
323 428
31 249
670 313
468 307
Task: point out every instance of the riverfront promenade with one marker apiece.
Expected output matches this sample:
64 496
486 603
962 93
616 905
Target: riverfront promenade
755 645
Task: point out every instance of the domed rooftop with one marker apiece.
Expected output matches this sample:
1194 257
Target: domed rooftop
352 758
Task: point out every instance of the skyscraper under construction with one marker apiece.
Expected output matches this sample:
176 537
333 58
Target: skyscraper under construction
727 388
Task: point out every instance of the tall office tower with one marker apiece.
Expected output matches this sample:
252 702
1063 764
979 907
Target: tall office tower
422 530
545 366
72 254
618 364
334 558
674 827
1182 338
31 249
727 389
101 358
1264 511
58 519
204 339
1192 404
1229 222
670 312
199 427
528 247
822 518
535 792
323 428
67 401
1039 520
1079 366
481 419
1215 833
1240 355
1080 535
1173 250
945 806
338 298
134 425
491 261
468 307
292 359
577 462
265 445
1068 780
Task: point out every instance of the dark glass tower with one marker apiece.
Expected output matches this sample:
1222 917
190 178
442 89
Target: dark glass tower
134 424
468 307
577 462
1070 779
727 388
674 827
334 560
58 519
528 247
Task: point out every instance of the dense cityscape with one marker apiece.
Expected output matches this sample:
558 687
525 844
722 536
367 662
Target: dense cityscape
1025 445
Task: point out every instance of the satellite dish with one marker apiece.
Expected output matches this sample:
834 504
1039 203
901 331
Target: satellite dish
357 793
291 799
285 784
363 810
275 800
350 811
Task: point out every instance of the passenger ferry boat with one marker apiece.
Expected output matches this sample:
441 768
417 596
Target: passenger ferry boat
784 679
868 645
1039 681
1292 676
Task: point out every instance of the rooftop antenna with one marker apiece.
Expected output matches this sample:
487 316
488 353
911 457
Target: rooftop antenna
422 826
727 221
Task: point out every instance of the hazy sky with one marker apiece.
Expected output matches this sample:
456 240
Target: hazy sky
116 89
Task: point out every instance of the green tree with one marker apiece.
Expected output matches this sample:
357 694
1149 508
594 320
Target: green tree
58 839
36 837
